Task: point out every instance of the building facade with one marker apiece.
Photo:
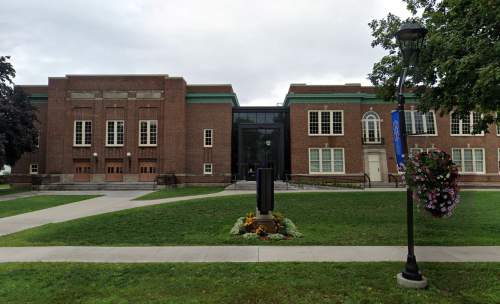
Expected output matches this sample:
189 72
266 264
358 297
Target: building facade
131 128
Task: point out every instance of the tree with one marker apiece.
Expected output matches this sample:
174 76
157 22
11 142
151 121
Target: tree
18 133
459 66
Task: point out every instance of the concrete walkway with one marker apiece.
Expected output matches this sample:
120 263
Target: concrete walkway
247 254
120 200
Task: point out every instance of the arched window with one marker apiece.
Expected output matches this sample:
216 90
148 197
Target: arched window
371 128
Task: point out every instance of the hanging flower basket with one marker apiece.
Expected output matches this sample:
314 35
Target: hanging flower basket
432 177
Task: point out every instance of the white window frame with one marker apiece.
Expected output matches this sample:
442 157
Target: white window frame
461 165
429 150
209 167
498 160
376 127
332 160
414 150
33 168
115 133
471 117
319 122
148 134
424 122
83 133
208 137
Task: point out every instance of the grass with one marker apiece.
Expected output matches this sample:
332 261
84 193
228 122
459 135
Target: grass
34 203
327 218
189 191
6 186
244 283
8 191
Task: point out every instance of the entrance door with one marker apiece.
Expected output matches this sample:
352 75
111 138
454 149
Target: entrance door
374 164
114 171
147 171
81 172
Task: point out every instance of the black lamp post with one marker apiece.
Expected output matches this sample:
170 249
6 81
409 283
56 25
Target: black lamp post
410 38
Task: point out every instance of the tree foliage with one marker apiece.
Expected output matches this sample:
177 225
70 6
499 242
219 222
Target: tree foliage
459 66
18 133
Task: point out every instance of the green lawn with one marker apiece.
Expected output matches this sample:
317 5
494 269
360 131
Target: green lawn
244 283
4 186
7 190
34 203
327 218
189 191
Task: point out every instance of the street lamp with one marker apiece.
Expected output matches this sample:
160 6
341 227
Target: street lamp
410 38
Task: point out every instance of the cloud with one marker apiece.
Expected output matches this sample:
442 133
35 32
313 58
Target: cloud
260 47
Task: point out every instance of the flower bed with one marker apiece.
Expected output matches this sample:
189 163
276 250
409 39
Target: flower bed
278 229
432 177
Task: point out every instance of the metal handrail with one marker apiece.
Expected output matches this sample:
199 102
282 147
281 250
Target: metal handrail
369 181
390 175
324 181
233 179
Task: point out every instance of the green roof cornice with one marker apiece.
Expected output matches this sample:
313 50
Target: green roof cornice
362 98
38 98
212 98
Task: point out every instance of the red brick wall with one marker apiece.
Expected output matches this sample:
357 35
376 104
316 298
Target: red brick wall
209 89
215 116
301 141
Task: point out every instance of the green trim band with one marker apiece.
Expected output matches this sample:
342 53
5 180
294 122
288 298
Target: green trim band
212 98
38 98
362 98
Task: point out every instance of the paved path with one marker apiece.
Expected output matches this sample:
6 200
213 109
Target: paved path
111 201
120 200
248 254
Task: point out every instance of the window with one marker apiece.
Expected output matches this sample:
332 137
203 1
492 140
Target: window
147 132
469 160
115 133
207 168
33 168
83 133
208 138
37 139
371 127
415 150
418 123
326 123
326 161
429 150
464 126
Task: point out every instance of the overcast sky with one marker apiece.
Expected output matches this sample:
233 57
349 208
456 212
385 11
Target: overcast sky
260 47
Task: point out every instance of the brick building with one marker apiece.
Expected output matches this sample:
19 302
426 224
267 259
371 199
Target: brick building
130 128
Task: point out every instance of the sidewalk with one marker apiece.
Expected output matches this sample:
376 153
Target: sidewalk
247 254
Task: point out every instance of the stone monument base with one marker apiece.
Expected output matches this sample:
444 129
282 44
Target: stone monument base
263 217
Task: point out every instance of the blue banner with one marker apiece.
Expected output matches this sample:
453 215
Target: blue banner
397 137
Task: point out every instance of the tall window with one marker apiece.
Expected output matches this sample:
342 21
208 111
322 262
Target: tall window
371 127
469 160
208 138
464 126
33 168
115 133
207 168
83 133
147 132
326 123
326 161
418 123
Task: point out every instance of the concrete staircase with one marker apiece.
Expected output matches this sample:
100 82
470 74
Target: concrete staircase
252 186
97 186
